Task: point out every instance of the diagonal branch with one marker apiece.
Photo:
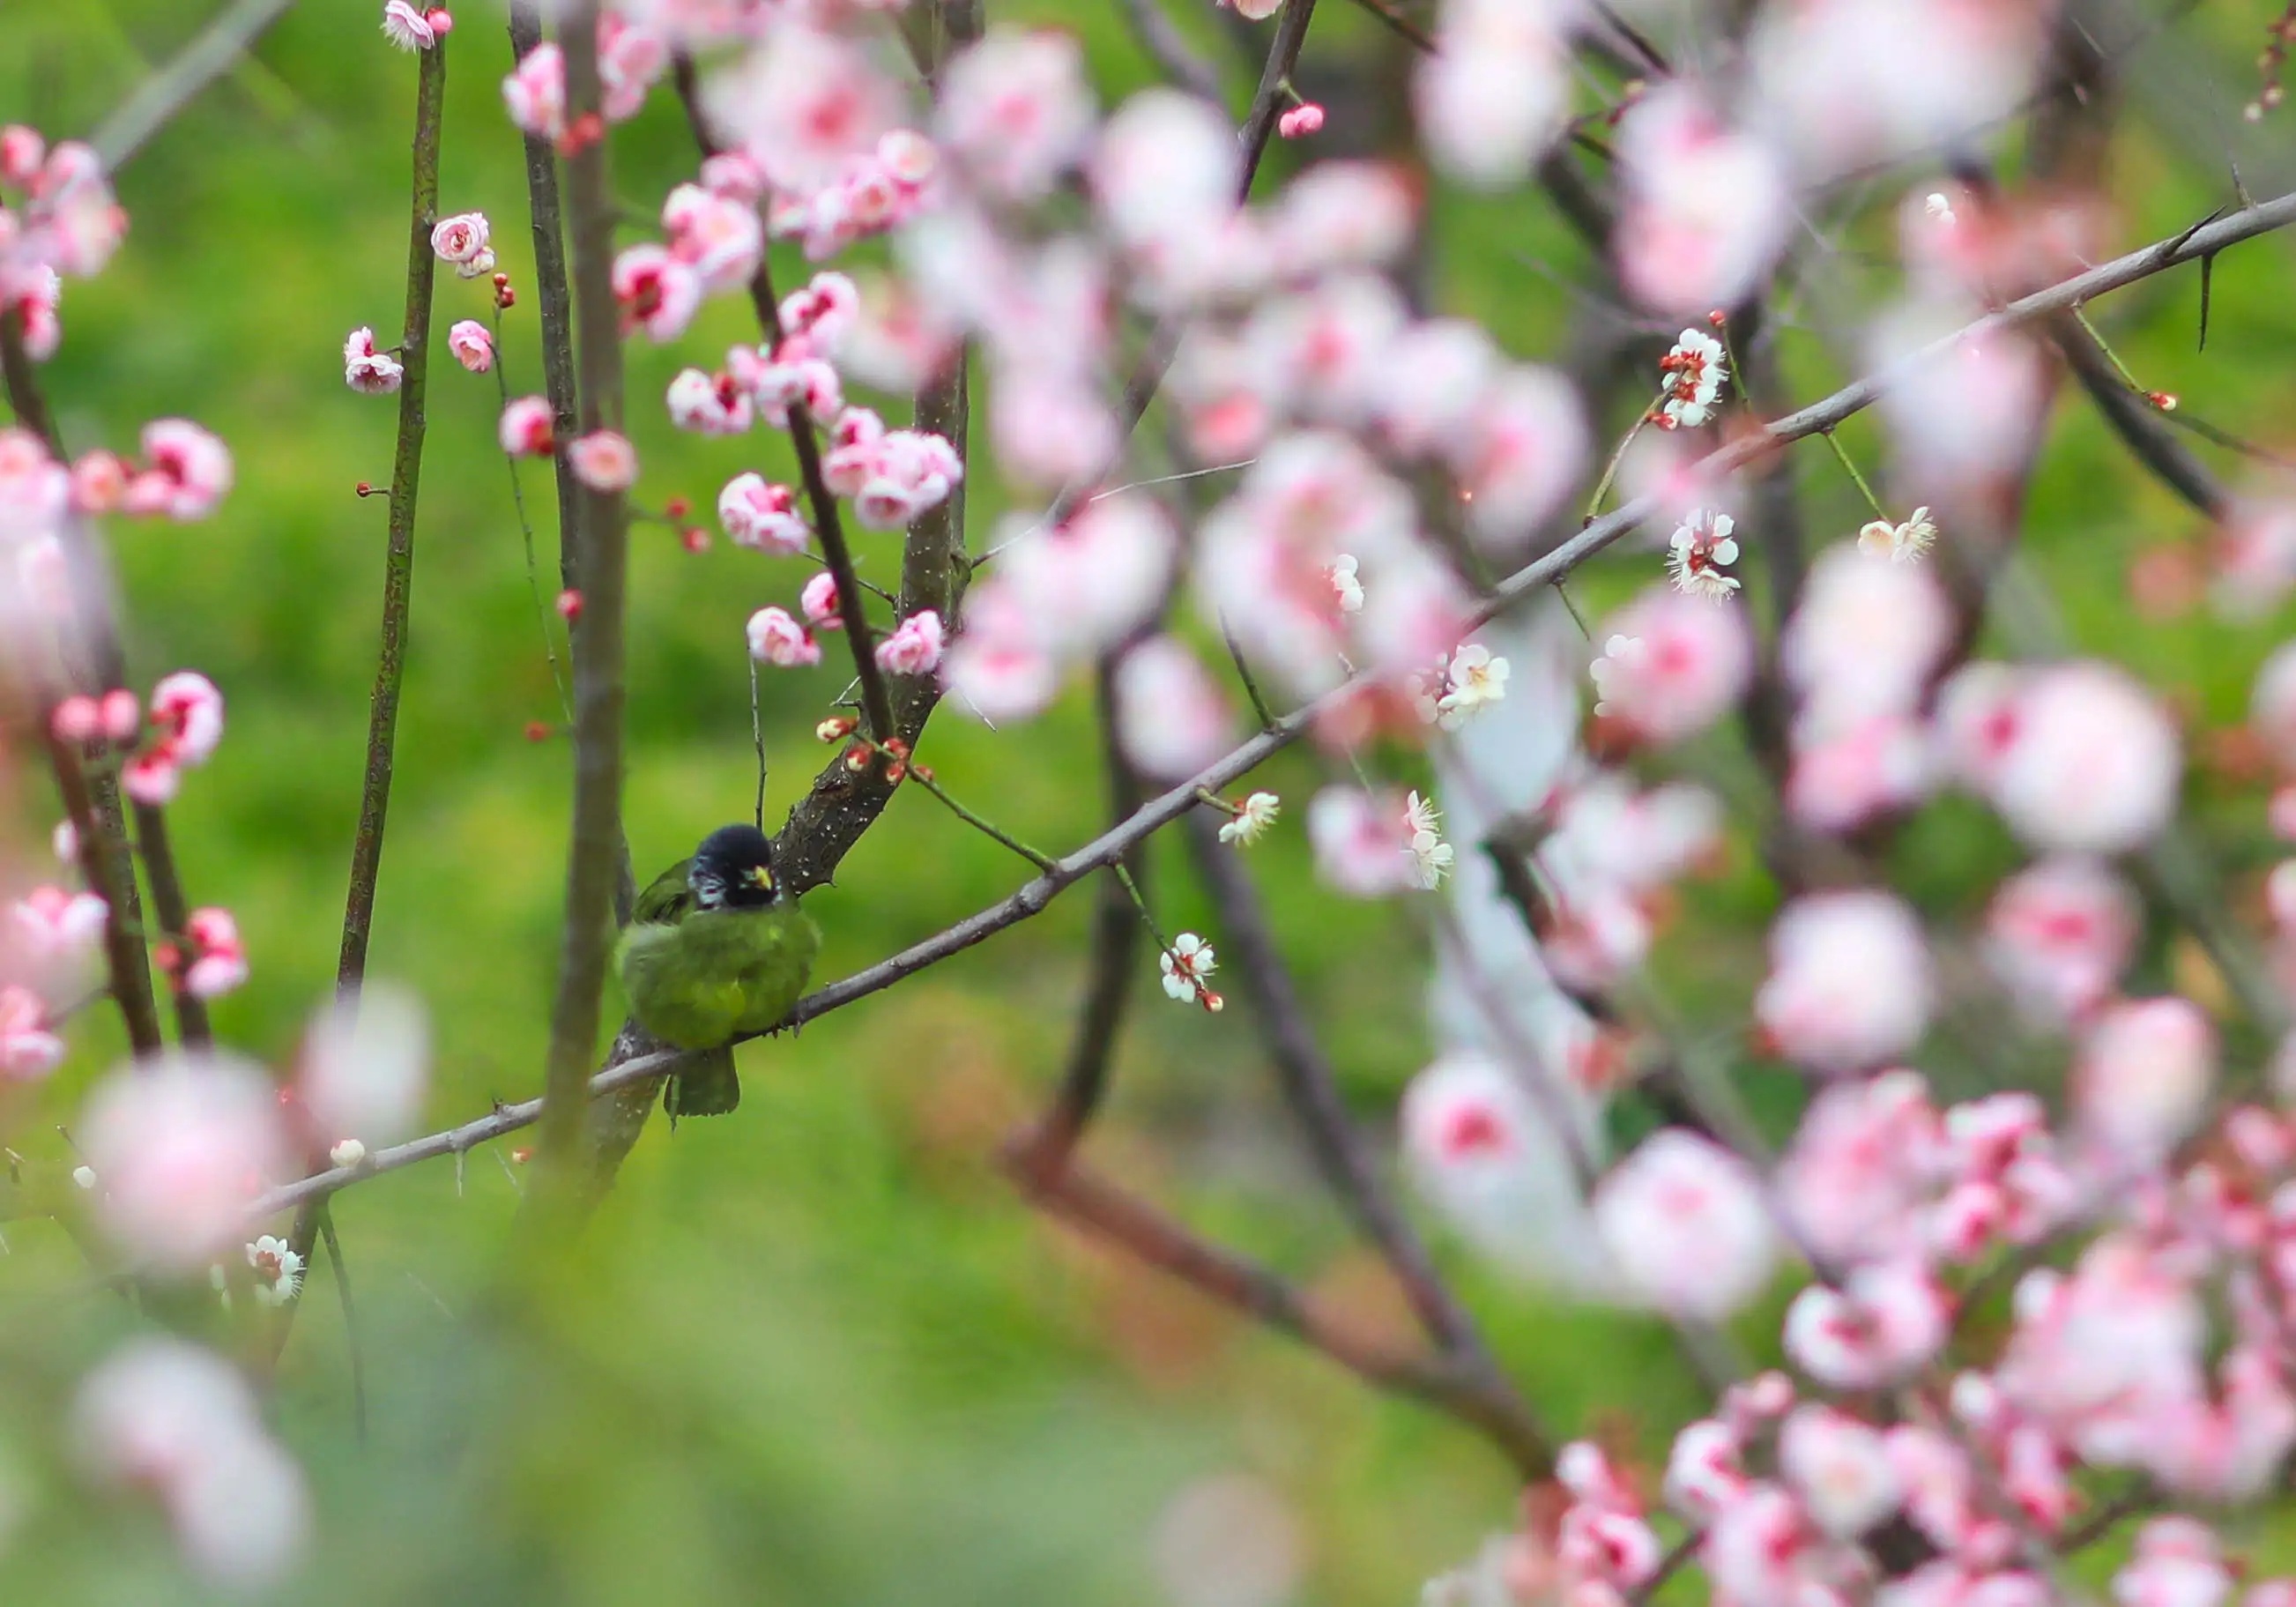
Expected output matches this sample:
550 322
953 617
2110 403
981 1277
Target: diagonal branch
166 92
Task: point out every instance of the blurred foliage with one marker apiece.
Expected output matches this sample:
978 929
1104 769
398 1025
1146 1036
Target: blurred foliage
816 1353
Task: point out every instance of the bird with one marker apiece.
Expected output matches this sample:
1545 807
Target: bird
716 949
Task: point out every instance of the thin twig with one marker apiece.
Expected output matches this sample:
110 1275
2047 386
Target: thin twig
166 92
341 1271
1169 49
596 856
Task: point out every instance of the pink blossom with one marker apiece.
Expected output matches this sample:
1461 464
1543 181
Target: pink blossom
188 712
1362 842
819 602
630 59
2060 934
760 514
1849 987
1843 777
1342 214
2255 557
72 221
809 382
535 93
1495 91
22 150
708 404
1477 1145
1429 404
1016 111
2142 1078
1165 172
165 1416
1965 413
472 346
656 291
1866 639
365 370
2093 765
913 473
187 471
821 313
99 482
1170 716
1671 666
775 638
1978 719
604 461
718 237
1867 1157
34 291
29 1051
364 1066
35 490
53 924
2101 1354
1089 583
1841 1468
406 27
181 1145
1688 1226
527 428
1705 1472
461 239
218 960
1763 1548
997 670
1884 1321
734 175
915 648
1704 207
805 103
1303 120
1525 451
2177 1563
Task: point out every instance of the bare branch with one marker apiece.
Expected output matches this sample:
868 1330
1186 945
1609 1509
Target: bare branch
1169 49
553 301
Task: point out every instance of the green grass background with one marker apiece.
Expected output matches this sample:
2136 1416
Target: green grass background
818 1353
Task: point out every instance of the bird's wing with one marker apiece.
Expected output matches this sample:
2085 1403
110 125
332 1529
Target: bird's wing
666 900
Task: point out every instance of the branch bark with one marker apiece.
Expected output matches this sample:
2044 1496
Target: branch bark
595 857
553 302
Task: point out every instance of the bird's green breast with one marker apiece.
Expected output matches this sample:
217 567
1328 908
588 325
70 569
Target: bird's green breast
717 974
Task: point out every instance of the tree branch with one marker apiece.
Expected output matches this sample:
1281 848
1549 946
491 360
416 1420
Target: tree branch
553 301
1311 1088
595 855
166 92
1169 49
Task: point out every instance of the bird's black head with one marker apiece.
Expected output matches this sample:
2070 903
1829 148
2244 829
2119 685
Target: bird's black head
733 869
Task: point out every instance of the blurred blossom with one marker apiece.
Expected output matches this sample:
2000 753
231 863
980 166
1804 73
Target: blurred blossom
1849 984
1428 403
2060 934
28 1050
1495 91
915 646
1843 777
1362 842
1087 586
1228 1540
1882 1323
1869 1154
1341 215
1686 1224
997 670
365 1067
169 1418
803 103
2091 765
1324 353
1484 1153
2142 1078
1672 665
1850 82
1164 175
2255 557
182 1144
1520 457
1966 413
1865 640
1841 1468
1703 209
1015 112
2272 705
1170 716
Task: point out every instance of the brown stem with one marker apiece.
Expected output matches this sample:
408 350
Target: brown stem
1115 933
553 301
174 911
1311 1087
596 855
91 798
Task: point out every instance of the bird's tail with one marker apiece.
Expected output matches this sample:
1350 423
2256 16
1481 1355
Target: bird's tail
703 1084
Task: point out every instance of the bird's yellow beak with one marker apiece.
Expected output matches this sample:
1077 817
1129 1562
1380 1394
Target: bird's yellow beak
761 877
